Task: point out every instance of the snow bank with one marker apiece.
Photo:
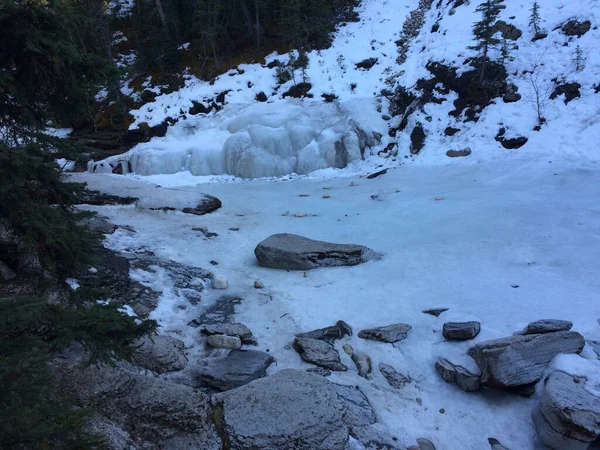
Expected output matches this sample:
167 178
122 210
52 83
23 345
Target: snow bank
253 141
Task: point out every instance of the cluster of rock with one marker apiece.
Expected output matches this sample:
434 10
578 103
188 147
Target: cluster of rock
568 414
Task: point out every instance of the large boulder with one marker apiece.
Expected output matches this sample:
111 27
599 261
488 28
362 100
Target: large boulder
517 363
293 252
291 410
568 415
153 411
160 353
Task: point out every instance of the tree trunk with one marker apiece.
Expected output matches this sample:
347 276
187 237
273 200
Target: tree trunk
161 13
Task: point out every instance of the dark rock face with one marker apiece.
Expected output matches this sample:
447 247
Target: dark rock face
417 139
207 205
154 411
512 143
511 97
329 334
517 363
508 31
291 410
576 28
261 97
450 131
293 252
391 333
436 312
374 175
459 153
568 415
367 63
239 368
547 326
299 90
570 91
199 108
320 353
461 331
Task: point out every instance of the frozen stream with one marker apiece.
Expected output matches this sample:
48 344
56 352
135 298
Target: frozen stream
503 245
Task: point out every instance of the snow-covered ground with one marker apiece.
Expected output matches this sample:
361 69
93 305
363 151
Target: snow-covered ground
493 227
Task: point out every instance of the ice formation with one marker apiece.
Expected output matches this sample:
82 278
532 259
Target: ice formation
258 140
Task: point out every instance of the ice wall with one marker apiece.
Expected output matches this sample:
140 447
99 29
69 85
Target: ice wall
257 140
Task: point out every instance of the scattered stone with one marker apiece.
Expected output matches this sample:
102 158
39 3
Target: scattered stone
224 341
303 195
258 285
435 311
425 444
438 198
214 263
234 229
219 282
300 214
496 445
207 205
363 363
390 333
230 329
394 379
547 326
417 139
319 352
326 196
459 153
160 353
293 252
329 334
450 131
517 363
376 437
568 415
376 174
207 234
239 368
311 413
461 331
511 97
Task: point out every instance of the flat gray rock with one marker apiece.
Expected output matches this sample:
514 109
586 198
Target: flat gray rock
394 379
547 326
160 353
518 362
329 334
461 331
224 341
435 311
390 333
239 368
293 252
290 410
568 415
319 352
230 329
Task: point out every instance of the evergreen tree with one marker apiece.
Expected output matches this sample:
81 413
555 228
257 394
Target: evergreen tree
484 31
578 59
534 18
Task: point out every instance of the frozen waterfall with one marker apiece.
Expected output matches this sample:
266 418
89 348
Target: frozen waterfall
257 140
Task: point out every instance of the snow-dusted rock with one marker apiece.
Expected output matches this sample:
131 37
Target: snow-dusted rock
206 205
219 282
293 252
231 329
375 437
390 333
319 352
395 379
160 353
547 326
224 341
329 334
291 410
496 445
568 415
239 368
362 361
461 331
517 363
